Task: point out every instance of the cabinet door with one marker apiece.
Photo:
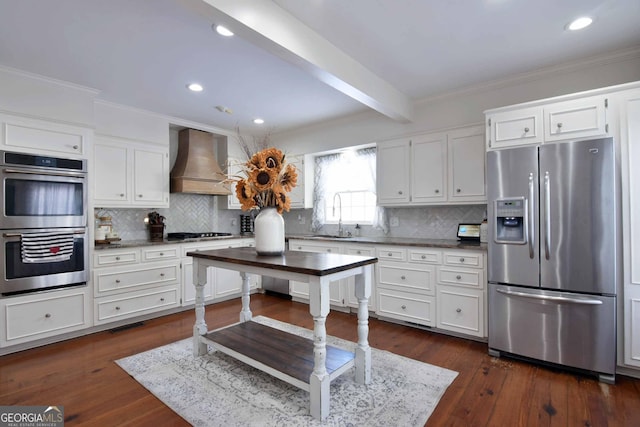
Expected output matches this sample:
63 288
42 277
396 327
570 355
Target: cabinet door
467 166
512 128
579 118
630 159
31 135
234 171
151 177
393 169
297 195
428 168
111 180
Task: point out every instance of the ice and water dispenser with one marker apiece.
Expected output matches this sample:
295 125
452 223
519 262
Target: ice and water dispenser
510 217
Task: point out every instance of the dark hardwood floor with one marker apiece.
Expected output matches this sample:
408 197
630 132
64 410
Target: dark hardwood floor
81 375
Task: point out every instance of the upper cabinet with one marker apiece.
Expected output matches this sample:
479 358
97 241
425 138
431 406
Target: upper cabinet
432 169
36 136
130 175
547 122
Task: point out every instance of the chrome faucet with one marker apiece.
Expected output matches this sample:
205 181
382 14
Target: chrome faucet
340 231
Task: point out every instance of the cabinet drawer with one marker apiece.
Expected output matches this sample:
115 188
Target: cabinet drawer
425 256
392 254
464 259
135 304
461 277
414 280
461 310
366 251
161 253
108 257
45 316
305 247
406 306
127 279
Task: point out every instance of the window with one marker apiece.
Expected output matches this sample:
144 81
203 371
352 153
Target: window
344 188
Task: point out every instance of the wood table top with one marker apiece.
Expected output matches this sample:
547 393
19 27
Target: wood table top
315 264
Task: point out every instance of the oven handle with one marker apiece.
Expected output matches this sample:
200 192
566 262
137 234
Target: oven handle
20 234
63 174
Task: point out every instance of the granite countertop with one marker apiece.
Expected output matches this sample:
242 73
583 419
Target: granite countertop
403 241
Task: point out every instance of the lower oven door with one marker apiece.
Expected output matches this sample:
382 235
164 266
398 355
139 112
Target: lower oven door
37 259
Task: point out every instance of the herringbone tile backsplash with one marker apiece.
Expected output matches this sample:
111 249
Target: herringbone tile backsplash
196 213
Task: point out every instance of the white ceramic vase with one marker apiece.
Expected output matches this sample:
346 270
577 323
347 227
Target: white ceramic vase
269 232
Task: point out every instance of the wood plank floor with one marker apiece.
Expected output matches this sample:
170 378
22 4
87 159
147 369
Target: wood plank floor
81 375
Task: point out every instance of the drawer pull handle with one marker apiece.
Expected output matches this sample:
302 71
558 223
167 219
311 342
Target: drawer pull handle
437 191
75 147
121 194
117 307
404 307
560 125
458 277
400 192
423 257
461 259
402 277
47 315
117 280
161 299
161 274
161 253
526 130
140 196
117 258
458 310
389 254
458 190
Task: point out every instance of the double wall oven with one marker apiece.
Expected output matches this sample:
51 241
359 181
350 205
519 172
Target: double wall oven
43 223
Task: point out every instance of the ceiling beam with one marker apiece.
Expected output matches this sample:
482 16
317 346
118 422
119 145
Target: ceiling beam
272 28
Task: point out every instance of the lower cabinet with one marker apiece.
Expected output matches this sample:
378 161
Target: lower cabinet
137 281
43 315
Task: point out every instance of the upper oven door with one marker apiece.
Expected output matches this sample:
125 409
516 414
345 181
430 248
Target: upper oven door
33 198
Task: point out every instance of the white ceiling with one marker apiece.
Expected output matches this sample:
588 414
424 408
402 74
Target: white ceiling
142 53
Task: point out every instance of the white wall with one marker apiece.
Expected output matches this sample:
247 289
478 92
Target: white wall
466 107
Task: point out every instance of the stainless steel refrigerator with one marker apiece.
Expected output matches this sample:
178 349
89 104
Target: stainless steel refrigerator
554 255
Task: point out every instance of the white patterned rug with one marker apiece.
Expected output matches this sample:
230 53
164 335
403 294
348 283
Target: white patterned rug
217 390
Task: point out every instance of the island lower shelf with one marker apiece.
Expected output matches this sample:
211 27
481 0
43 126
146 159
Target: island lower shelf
284 355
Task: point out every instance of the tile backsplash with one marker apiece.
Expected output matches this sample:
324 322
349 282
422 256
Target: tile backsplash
199 213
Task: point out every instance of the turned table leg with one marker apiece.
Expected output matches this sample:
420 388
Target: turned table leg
245 314
363 351
319 381
200 327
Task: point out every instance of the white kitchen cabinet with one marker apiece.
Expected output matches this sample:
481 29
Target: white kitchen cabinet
393 159
221 283
301 195
547 121
629 106
432 169
300 290
125 289
130 174
28 135
234 171
467 165
43 315
461 293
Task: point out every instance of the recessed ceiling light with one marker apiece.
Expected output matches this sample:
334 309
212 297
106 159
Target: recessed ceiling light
580 23
223 31
258 121
195 87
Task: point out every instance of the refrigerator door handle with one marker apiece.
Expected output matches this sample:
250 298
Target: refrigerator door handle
547 215
529 229
551 297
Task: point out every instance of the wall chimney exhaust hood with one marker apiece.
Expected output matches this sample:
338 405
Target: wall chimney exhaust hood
196 169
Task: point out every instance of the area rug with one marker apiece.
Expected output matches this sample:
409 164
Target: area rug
217 390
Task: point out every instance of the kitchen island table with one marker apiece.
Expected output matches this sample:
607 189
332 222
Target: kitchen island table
309 365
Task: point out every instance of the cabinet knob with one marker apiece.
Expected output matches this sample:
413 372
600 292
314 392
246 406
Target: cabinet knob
117 258
299 248
161 253
458 277
437 191
47 315
559 125
389 254
458 310
526 130
400 192
75 147
458 190
423 257
359 252
403 277
404 307
161 299
121 194
462 259
140 196
117 280
161 274
117 307
328 250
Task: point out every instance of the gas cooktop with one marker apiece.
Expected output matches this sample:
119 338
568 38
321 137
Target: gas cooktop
186 235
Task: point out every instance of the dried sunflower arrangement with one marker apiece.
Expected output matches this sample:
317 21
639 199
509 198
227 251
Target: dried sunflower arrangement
268 180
